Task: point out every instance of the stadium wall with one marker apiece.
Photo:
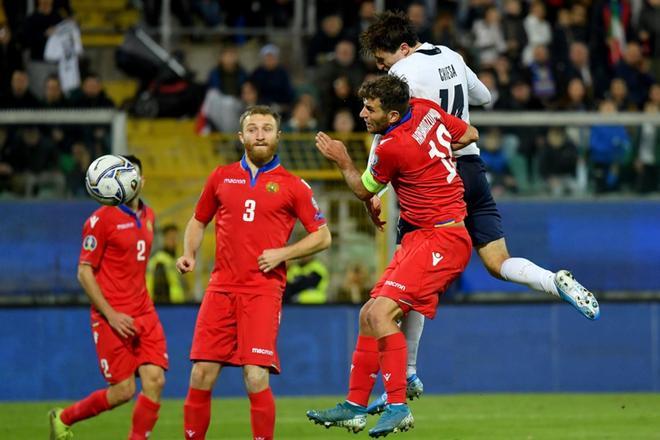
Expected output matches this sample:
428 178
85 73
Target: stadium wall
609 245
48 353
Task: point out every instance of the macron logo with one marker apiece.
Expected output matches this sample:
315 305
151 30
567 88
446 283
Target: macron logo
92 221
190 433
262 351
235 181
387 376
395 284
436 257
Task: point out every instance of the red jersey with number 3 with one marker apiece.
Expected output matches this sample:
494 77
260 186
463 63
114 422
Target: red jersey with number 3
254 213
416 156
117 244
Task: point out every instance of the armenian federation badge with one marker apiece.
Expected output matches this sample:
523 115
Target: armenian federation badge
272 187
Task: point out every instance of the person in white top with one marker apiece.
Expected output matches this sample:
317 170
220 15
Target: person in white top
440 74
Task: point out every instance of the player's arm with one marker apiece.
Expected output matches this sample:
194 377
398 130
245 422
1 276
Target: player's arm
192 240
121 322
478 93
335 151
462 133
310 244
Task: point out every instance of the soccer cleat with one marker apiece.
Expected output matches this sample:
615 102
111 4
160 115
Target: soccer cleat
577 295
414 387
378 405
58 430
395 418
344 415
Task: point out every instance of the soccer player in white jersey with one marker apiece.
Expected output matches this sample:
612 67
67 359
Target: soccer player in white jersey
440 74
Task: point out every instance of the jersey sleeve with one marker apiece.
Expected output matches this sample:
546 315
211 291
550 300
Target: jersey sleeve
306 208
208 203
382 166
456 126
478 93
93 241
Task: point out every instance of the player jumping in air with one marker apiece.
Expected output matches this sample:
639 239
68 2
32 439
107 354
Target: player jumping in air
256 203
127 333
439 74
415 155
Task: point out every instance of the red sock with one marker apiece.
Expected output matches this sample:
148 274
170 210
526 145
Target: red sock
364 370
92 405
145 415
262 414
392 357
196 414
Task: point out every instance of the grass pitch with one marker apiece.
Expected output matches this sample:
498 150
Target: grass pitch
455 417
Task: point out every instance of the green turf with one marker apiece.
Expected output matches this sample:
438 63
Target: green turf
488 416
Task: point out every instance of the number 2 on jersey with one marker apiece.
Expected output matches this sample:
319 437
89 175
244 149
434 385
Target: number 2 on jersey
141 249
458 104
248 215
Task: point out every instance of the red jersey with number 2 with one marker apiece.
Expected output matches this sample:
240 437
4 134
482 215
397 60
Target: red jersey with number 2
416 156
117 244
253 213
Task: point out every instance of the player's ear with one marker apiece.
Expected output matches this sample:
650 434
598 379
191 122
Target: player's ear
393 116
240 136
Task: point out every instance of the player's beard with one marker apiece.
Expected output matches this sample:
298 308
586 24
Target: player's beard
260 154
377 126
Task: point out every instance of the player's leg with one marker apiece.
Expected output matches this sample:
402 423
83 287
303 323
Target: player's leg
262 401
412 326
145 413
197 406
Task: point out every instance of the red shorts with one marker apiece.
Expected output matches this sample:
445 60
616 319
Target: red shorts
119 358
428 261
238 329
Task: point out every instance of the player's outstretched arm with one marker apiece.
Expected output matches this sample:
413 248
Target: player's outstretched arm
470 135
335 151
122 323
192 240
312 243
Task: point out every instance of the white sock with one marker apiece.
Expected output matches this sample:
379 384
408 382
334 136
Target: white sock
412 327
523 271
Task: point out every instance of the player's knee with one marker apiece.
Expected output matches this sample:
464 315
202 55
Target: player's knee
203 376
364 323
122 392
375 320
256 379
154 382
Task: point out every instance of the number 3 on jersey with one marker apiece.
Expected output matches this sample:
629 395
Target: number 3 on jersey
248 215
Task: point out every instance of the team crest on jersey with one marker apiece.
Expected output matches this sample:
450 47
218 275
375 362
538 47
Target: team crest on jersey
373 163
272 187
89 243
150 226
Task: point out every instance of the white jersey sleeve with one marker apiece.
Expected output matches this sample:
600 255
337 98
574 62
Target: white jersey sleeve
478 93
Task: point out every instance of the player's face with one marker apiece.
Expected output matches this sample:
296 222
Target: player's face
259 136
376 119
385 60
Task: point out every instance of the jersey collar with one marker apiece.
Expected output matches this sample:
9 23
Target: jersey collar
274 163
132 213
407 116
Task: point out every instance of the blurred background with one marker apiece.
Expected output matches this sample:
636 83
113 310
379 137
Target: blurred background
571 140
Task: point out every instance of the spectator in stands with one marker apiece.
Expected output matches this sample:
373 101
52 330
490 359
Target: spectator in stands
575 99
323 43
513 29
343 123
538 30
487 77
76 169
577 67
444 30
10 57
557 162
654 94
228 76
302 119
39 26
647 154
181 9
618 94
272 80
53 96
307 281
649 34
489 37
208 11
341 96
416 12
543 76
502 69
366 16
579 27
19 96
343 127
164 283
343 63
356 285
91 94
633 68
608 147
497 164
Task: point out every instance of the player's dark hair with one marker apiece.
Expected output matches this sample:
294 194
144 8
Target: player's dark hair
260 110
387 32
392 91
134 160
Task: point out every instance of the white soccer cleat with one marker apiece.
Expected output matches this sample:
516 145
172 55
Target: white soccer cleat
576 294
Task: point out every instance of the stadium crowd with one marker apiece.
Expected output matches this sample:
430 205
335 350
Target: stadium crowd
556 55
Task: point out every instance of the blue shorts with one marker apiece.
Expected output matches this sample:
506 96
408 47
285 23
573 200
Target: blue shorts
483 221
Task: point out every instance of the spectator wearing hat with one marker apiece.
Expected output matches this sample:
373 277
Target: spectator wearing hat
272 80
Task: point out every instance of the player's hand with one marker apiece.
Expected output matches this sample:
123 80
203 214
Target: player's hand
270 259
185 264
373 208
332 149
122 324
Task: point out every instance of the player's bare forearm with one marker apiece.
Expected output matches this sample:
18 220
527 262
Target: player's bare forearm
470 135
93 290
309 245
192 238
353 179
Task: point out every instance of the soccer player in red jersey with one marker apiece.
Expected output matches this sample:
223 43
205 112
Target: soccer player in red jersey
127 333
255 203
415 155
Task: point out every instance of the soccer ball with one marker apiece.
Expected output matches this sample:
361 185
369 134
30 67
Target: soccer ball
112 180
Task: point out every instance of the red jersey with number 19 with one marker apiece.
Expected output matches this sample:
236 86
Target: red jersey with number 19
117 244
253 213
416 156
